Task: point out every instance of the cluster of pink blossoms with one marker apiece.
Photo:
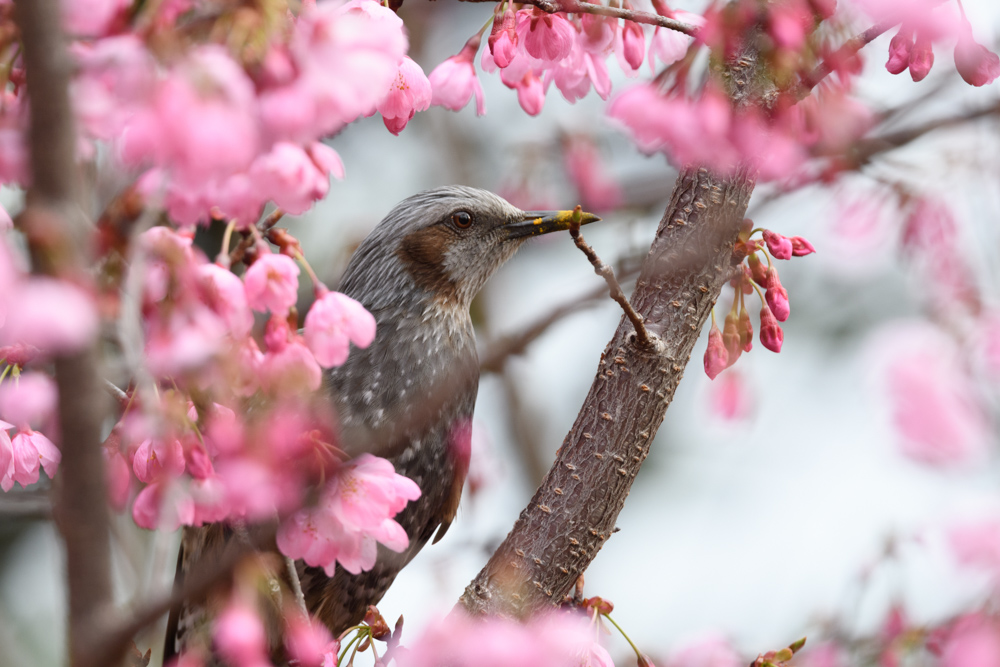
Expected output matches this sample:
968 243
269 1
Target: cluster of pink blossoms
725 347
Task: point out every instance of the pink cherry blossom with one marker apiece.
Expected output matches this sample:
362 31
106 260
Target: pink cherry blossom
668 46
716 357
49 314
14 162
239 636
974 641
547 37
776 295
977 543
801 247
158 457
596 655
454 82
977 65
333 322
224 292
633 44
899 50
531 94
119 478
289 177
6 457
921 57
272 283
28 400
31 451
289 365
408 94
729 397
354 512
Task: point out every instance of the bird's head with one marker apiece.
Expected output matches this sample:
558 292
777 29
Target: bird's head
447 242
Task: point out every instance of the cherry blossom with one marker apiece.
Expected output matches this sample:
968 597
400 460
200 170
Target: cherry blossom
977 65
51 315
354 512
711 651
598 190
308 640
977 543
716 357
31 450
408 94
974 641
332 323
272 283
91 18
454 82
28 400
240 637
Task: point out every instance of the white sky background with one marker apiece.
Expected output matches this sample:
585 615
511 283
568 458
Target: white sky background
755 531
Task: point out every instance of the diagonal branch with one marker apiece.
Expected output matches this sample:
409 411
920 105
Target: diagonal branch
575 7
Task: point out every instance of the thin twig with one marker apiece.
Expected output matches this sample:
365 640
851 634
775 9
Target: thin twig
115 392
293 576
574 7
851 47
606 272
248 239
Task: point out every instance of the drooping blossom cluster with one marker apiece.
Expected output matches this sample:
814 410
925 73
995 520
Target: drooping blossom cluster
736 337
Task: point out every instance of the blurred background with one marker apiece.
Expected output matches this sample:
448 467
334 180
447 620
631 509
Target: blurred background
777 501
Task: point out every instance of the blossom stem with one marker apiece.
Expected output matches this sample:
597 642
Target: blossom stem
763 301
4 374
223 258
351 643
638 653
320 287
713 317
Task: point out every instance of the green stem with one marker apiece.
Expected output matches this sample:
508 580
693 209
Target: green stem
226 238
347 648
638 653
4 374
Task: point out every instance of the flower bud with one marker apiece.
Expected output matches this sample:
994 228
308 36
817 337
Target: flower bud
771 335
974 62
801 247
732 339
777 296
757 270
716 357
746 330
921 57
899 50
779 246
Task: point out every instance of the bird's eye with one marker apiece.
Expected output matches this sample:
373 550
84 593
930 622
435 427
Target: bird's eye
462 220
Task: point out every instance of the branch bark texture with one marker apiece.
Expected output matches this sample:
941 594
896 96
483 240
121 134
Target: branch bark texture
57 234
574 511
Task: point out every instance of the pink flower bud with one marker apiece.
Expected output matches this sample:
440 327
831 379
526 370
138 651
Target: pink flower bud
716 357
531 94
503 39
899 50
550 37
454 82
801 247
732 339
308 641
746 330
921 57
771 335
240 636
633 44
757 270
779 246
974 62
777 296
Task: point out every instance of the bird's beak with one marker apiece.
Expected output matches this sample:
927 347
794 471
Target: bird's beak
542 222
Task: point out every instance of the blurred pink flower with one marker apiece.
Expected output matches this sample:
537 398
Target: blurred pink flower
454 82
158 458
91 18
334 322
28 400
14 159
31 450
354 512
972 642
408 94
308 641
115 82
531 94
598 190
708 652
977 543
6 457
729 398
239 636
6 223
49 314
119 478
225 294
548 640
934 403
272 283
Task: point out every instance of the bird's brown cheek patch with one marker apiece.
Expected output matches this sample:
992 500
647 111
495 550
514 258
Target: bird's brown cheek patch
422 253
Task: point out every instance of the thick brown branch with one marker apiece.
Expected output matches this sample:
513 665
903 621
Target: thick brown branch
574 7
600 268
58 241
866 149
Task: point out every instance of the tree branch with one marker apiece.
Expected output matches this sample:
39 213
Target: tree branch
58 239
574 7
847 50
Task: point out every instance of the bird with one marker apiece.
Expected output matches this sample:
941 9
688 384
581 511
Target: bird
409 397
